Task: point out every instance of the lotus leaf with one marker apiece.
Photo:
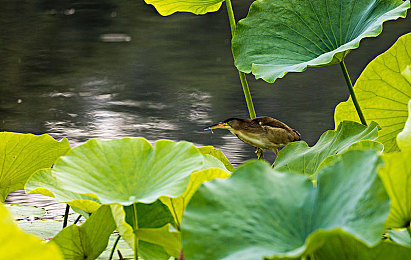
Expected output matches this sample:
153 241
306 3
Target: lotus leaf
383 91
22 155
402 237
167 7
156 239
15 244
178 205
345 247
210 150
299 158
404 137
396 176
90 239
128 170
259 212
45 183
284 36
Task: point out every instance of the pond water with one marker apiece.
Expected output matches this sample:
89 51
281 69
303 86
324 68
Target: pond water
109 69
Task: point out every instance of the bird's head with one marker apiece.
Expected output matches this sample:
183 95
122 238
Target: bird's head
229 124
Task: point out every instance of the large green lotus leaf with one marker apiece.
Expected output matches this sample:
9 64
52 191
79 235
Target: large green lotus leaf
361 145
210 150
299 158
156 239
404 137
396 176
15 244
90 239
167 7
178 205
128 170
23 154
290 35
383 91
45 183
260 212
343 247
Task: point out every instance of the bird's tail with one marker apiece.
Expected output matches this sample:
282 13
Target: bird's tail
298 135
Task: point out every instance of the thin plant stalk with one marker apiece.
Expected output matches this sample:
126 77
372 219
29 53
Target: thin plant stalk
243 79
351 90
66 216
246 89
114 247
77 219
135 219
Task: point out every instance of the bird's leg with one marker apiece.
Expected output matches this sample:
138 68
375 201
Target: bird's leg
259 153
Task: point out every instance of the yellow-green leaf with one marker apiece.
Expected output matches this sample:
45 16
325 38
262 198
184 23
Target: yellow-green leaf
23 154
15 244
167 7
396 176
178 205
404 137
383 91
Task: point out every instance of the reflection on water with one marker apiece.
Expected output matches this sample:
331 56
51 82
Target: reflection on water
108 69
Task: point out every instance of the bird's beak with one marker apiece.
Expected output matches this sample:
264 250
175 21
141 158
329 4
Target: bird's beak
219 125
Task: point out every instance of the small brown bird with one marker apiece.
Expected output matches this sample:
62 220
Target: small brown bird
263 132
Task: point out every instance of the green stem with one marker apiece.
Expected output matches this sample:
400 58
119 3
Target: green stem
66 216
351 90
246 89
135 231
114 247
77 219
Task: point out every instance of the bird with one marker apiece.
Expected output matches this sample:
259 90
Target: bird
264 133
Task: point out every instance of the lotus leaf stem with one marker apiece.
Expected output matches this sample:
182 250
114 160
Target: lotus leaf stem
135 231
351 90
114 247
77 219
243 79
66 216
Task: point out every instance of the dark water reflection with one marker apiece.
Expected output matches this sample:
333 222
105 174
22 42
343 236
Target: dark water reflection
63 72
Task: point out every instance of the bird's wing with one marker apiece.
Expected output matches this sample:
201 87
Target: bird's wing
271 122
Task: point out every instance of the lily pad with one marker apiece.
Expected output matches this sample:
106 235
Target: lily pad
24 154
299 158
25 211
128 170
396 176
15 244
284 36
42 228
259 212
167 7
90 239
383 91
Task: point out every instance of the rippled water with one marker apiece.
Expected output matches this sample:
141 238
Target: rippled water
108 69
